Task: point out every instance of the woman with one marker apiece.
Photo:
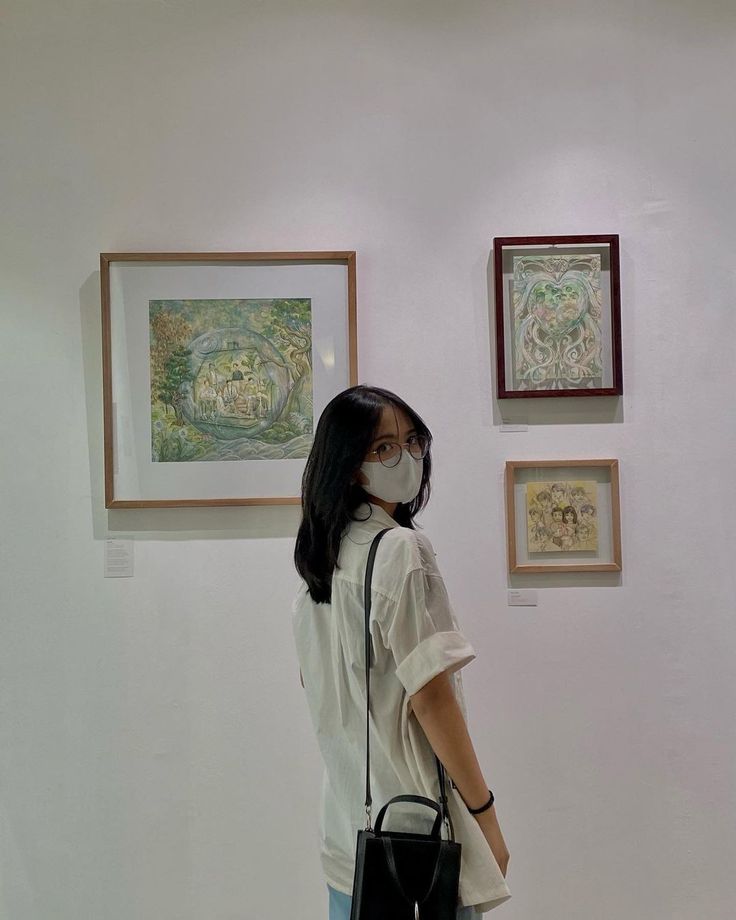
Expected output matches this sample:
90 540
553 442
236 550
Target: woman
369 469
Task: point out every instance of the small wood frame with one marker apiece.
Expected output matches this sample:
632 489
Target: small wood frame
558 316
534 524
135 284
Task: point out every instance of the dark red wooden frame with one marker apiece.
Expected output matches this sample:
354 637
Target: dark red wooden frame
499 243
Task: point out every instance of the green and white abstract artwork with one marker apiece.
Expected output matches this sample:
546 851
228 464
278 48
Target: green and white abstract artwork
556 324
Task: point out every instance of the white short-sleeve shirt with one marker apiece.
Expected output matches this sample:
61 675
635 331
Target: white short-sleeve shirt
414 636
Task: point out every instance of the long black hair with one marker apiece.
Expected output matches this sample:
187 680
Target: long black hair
330 494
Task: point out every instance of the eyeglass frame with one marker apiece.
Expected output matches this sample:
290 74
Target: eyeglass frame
402 447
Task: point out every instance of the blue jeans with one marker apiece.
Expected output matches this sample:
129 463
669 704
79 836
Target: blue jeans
340 907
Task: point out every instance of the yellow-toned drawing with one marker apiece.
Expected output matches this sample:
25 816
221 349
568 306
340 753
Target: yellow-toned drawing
562 516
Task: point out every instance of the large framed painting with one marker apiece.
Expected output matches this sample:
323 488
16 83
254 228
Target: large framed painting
563 516
216 367
558 316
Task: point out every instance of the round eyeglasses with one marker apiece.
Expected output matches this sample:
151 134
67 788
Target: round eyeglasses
390 453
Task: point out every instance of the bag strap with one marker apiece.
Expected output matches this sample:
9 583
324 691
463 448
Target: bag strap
367 607
445 813
420 800
388 849
443 800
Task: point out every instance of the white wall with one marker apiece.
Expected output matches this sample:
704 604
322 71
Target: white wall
155 755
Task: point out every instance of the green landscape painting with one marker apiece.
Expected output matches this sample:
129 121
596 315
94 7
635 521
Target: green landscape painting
231 379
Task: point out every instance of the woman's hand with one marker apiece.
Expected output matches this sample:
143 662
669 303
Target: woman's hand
439 714
488 822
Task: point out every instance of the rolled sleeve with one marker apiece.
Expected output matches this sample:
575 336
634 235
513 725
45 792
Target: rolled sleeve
442 651
420 629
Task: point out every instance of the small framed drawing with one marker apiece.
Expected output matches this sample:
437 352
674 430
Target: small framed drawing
215 368
558 316
563 516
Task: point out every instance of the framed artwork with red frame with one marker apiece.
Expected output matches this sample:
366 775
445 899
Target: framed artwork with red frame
558 316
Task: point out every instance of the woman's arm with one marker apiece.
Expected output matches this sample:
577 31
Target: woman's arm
441 718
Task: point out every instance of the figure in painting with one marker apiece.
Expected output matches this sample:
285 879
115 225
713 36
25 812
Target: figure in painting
544 499
570 527
557 529
554 523
577 498
558 491
588 522
207 402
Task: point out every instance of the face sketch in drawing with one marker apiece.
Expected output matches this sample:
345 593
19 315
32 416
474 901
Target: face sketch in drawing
556 319
561 516
230 379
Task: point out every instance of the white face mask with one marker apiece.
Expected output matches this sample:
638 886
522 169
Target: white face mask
398 483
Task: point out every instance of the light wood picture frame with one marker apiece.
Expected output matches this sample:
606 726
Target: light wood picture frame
216 367
563 516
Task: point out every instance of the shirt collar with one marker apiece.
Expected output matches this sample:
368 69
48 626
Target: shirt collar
370 515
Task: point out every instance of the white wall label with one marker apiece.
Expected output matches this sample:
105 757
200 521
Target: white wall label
526 598
118 558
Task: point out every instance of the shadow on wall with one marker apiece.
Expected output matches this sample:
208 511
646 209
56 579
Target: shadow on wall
238 522
567 580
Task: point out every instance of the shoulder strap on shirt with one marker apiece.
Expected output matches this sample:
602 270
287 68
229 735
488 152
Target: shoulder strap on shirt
440 769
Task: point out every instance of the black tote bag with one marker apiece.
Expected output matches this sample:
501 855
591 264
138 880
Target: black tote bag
403 876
